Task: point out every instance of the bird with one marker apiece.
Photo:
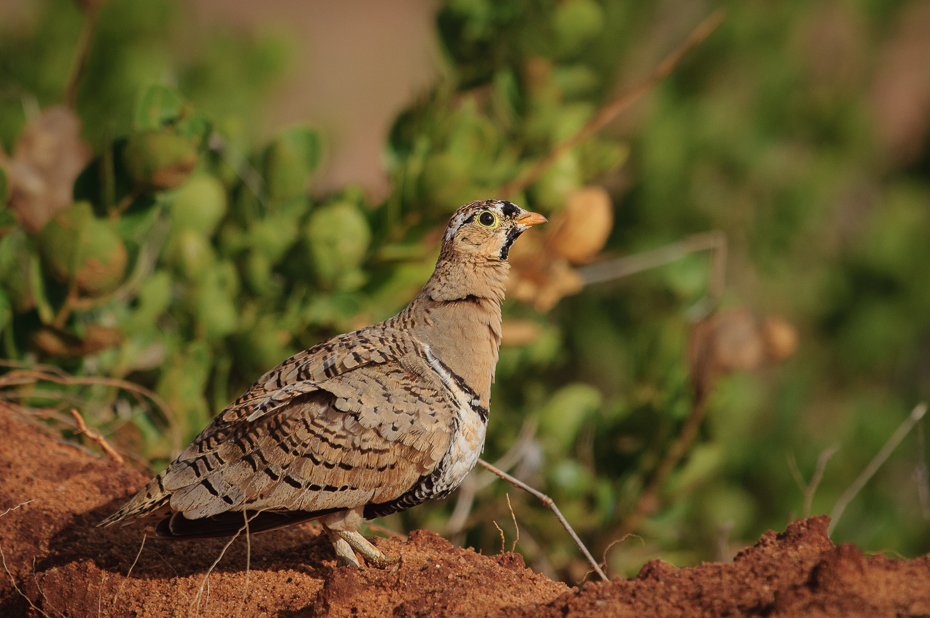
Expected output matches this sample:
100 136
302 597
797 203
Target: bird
366 424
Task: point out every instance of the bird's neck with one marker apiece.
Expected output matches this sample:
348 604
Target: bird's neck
458 314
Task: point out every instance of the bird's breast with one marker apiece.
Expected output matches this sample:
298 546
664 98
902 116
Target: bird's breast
466 447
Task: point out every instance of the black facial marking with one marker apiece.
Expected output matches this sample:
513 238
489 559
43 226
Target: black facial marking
512 235
509 209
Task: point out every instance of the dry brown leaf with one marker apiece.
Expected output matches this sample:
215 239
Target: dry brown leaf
541 264
579 231
781 338
46 161
735 340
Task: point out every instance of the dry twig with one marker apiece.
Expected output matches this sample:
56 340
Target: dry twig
96 438
503 547
671 458
610 111
913 418
552 507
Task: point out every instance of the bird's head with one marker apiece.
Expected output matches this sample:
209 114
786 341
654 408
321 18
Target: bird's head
486 229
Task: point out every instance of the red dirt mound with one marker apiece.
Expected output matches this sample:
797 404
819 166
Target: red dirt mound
58 564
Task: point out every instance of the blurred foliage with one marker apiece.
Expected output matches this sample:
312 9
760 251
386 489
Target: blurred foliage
189 259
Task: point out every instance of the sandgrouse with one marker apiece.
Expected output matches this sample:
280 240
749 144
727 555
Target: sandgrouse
366 424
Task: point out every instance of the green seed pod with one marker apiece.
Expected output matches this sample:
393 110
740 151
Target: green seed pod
199 205
290 160
76 246
191 253
338 236
159 159
104 264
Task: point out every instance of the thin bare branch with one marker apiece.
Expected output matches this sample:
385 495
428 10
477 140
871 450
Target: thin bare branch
96 438
714 241
546 500
80 53
671 458
900 433
612 109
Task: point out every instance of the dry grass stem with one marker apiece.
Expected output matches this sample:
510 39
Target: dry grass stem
13 508
552 507
248 562
46 373
96 438
922 474
129 572
35 580
516 527
809 489
821 466
503 546
899 434
15 587
612 109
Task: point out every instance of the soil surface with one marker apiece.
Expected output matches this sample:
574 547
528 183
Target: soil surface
58 564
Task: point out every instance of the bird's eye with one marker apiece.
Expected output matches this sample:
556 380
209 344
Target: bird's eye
487 219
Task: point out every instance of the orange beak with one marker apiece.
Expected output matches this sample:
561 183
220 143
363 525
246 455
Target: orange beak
532 218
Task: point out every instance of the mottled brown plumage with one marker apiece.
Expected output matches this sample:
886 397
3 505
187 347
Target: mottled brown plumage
366 424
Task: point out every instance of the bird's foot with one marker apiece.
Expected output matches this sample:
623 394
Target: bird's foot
347 542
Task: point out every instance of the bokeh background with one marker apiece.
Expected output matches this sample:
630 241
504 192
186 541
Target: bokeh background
194 191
